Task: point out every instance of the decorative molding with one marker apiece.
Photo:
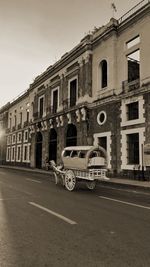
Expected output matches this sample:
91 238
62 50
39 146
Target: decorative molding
57 122
32 129
51 123
78 115
87 56
83 114
61 120
44 125
69 117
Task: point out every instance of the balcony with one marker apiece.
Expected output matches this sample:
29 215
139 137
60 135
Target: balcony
19 126
52 110
13 128
65 104
7 130
35 115
26 123
130 86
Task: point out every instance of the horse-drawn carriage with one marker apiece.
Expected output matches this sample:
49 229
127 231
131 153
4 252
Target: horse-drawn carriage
81 163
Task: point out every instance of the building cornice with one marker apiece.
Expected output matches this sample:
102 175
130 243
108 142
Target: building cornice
63 62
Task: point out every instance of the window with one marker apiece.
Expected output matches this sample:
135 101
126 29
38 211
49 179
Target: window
25 153
82 154
15 118
74 154
102 141
103 66
25 136
8 154
41 106
21 118
54 101
18 153
19 137
133 66
133 41
133 148
101 117
73 92
67 153
13 139
8 140
133 111
28 115
105 140
13 154
10 122
29 152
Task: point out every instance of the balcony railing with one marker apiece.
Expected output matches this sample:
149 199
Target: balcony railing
7 130
35 115
13 128
65 104
26 123
53 109
129 86
69 103
19 126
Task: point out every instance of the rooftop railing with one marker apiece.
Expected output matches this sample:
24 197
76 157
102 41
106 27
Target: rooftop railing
133 10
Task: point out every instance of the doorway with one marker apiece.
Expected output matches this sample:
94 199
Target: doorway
71 136
53 145
39 140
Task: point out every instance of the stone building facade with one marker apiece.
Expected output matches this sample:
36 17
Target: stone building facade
98 93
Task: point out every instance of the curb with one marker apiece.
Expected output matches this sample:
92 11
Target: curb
27 170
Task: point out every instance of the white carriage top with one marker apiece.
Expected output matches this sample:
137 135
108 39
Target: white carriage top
84 157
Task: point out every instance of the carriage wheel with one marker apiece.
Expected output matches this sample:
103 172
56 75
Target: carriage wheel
91 184
70 180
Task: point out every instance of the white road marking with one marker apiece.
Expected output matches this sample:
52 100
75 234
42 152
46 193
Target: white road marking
124 202
53 213
32 180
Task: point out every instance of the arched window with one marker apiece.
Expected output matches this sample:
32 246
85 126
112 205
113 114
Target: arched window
103 66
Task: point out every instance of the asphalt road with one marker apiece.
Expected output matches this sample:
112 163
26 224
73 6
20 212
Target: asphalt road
42 224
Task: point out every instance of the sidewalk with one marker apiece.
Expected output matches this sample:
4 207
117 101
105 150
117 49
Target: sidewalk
127 183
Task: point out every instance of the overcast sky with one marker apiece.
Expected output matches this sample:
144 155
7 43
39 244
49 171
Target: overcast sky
36 33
